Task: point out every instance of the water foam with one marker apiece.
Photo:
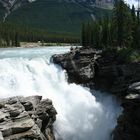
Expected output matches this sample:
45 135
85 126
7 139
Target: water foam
81 115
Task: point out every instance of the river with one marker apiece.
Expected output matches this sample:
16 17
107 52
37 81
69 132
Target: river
82 115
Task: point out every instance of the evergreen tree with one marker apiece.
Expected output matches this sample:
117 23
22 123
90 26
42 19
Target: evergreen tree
105 33
133 13
123 23
17 43
122 30
88 35
83 36
138 17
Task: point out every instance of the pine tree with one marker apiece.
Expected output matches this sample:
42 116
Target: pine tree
138 17
134 26
105 32
133 13
123 23
17 43
119 21
83 36
88 35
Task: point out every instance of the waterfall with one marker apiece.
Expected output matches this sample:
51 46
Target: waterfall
82 115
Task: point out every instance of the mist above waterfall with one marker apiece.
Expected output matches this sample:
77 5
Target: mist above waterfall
82 115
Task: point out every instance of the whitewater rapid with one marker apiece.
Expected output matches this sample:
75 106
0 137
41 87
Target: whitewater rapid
82 115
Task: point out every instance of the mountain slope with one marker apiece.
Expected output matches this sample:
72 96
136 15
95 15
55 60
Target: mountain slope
2 11
55 15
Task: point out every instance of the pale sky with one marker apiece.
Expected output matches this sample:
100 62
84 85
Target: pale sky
131 2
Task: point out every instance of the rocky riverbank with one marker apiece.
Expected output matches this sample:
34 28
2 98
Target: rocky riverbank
104 71
128 127
108 72
26 118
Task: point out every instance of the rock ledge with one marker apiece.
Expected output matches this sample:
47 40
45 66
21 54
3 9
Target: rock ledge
108 72
26 118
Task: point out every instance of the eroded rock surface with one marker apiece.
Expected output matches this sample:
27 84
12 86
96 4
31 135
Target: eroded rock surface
116 76
81 67
29 118
107 72
128 127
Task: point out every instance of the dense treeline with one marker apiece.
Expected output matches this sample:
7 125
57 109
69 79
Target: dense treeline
12 35
121 30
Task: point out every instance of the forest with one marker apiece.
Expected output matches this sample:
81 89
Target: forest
12 34
121 30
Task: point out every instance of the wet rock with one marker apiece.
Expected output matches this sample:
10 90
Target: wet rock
108 72
44 110
128 127
103 70
80 70
134 88
117 78
19 118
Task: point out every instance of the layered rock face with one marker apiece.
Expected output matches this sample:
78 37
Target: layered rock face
129 122
116 76
29 118
80 65
107 72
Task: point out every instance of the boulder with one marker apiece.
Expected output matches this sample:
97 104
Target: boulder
80 69
23 118
128 127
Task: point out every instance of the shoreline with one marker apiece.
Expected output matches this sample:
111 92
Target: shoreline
49 44
37 45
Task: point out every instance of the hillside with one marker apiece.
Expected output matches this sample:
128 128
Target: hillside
56 16
2 10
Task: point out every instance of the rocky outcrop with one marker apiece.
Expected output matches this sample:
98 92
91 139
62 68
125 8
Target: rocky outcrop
108 72
128 127
80 65
116 76
29 118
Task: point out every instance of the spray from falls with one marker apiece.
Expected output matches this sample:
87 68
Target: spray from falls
81 115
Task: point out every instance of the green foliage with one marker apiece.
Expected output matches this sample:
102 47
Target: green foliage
46 21
128 55
135 57
122 24
12 35
123 55
55 16
98 34
122 30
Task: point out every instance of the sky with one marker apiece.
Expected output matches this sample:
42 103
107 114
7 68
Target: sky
131 2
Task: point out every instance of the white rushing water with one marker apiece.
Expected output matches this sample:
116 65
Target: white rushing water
81 115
